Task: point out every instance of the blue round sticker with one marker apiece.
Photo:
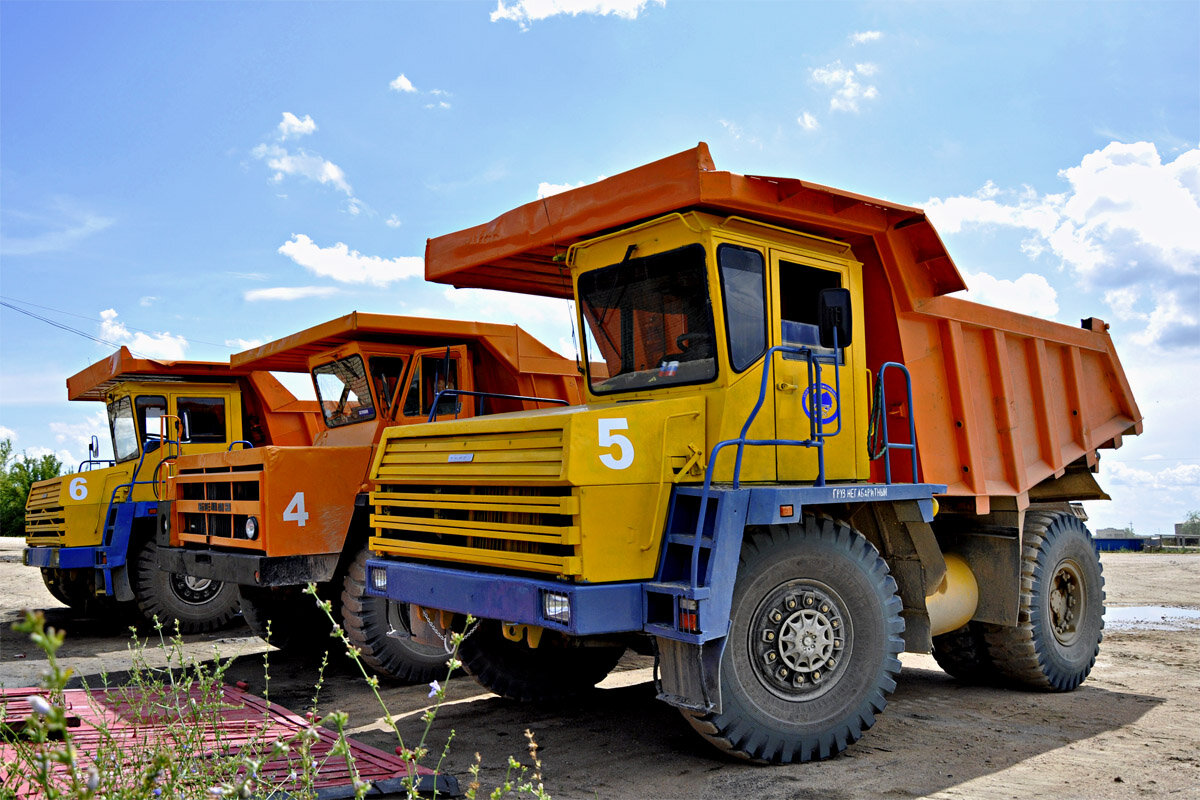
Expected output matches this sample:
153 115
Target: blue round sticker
828 399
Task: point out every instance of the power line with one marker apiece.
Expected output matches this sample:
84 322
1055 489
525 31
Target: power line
83 316
66 328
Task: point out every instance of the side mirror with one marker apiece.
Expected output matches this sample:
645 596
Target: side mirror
834 317
94 448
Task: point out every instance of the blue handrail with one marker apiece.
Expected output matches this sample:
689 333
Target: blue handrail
242 442
817 434
888 444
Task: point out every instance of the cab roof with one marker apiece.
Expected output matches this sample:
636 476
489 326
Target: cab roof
95 382
523 249
521 351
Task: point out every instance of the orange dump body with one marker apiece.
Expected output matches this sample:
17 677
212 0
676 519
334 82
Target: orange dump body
1005 405
303 498
272 413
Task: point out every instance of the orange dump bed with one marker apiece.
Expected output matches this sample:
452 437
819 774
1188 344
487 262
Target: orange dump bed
1004 403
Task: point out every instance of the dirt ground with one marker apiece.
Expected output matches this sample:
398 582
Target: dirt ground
1130 731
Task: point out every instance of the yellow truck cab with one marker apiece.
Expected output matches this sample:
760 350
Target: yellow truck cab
91 532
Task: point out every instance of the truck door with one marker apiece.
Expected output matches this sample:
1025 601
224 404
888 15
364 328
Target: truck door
432 371
795 283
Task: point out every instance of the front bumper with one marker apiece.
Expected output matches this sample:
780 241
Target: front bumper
249 569
59 557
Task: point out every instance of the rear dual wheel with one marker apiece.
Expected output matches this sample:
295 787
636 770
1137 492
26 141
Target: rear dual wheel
813 647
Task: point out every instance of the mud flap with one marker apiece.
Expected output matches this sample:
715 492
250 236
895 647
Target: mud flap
689 675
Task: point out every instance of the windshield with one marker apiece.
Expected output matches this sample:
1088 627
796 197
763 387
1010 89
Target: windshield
650 320
124 432
344 392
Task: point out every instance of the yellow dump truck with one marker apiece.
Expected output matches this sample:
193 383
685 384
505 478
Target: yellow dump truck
802 458
92 532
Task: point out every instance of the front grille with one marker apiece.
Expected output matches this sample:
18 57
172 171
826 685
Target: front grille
45 522
489 457
213 503
529 528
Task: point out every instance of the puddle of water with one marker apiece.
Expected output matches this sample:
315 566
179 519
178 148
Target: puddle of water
1151 618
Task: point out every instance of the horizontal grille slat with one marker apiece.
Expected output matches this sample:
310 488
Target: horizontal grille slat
499 457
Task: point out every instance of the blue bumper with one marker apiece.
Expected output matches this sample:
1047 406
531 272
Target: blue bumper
60 557
594 609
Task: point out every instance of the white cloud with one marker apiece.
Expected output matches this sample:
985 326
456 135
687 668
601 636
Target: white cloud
77 436
523 12
807 121
547 189
739 134
1029 294
292 126
163 346
147 301
1126 224
441 105
844 81
310 166
61 229
1177 477
350 266
393 221
862 37
242 344
402 84
288 293
8 433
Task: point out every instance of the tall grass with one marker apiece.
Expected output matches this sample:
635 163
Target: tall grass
194 752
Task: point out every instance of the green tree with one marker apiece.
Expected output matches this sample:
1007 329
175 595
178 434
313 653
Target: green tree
17 475
1192 526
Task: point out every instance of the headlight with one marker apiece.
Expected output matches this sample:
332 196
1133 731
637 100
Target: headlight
251 527
556 607
379 578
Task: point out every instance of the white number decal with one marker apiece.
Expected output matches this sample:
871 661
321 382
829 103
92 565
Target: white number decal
295 511
621 442
78 488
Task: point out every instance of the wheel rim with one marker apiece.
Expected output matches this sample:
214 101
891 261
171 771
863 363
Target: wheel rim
192 590
1067 601
800 640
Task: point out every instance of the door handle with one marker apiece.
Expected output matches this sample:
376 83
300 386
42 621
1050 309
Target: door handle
786 387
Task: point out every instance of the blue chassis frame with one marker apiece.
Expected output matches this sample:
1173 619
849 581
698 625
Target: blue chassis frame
610 608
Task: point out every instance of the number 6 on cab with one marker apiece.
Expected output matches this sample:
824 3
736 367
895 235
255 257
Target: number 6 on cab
623 455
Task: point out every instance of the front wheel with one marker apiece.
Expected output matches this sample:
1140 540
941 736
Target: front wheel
1061 617
557 670
813 646
197 604
379 628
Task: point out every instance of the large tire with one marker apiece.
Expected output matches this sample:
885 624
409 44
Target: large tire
296 623
1060 621
379 628
813 646
964 654
66 587
196 604
557 670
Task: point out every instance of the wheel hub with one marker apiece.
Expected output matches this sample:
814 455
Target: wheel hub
799 640
192 590
1066 601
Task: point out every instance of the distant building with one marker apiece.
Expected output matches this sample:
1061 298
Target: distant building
1112 533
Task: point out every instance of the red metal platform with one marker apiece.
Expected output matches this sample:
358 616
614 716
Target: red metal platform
127 721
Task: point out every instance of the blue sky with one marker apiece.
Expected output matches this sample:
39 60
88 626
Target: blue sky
191 179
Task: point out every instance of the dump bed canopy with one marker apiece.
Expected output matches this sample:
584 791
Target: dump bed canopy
517 250
512 345
94 382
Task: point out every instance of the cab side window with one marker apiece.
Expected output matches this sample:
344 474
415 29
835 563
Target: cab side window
202 419
744 291
431 375
799 286
150 411
387 374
